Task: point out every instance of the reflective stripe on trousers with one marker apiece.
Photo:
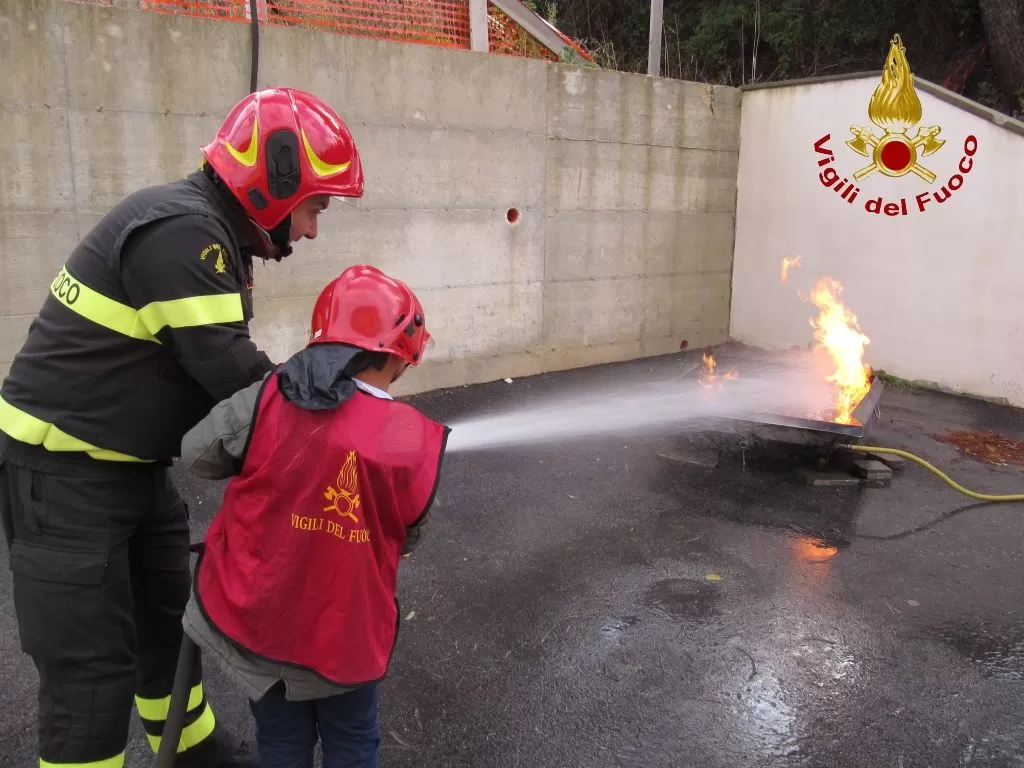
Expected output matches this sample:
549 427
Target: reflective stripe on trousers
111 762
199 719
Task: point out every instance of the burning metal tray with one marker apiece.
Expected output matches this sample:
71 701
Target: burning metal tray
794 429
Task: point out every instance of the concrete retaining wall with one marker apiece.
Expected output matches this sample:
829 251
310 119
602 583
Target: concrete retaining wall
624 185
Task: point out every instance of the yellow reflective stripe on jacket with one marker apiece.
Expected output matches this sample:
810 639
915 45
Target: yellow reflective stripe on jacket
94 306
145 323
117 761
29 429
191 735
157 709
193 311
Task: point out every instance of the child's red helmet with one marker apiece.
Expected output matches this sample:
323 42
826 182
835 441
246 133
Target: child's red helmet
367 309
278 147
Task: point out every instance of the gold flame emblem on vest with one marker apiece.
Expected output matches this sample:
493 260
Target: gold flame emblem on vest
344 496
895 108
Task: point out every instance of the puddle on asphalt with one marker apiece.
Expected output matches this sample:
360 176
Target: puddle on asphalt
682 598
766 721
996 655
761 491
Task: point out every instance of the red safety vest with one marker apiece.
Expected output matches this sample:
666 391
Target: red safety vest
300 564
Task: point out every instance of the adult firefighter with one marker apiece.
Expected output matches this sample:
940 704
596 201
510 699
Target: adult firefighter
144 330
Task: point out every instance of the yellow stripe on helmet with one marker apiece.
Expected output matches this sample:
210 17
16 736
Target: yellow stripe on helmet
320 166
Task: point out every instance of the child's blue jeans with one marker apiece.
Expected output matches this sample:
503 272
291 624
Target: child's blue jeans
286 731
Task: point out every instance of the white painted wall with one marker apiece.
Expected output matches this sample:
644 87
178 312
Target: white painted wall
940 293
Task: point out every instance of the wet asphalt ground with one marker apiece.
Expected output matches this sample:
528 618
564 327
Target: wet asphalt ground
595 603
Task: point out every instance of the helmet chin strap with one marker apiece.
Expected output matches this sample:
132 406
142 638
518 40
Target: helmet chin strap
279 236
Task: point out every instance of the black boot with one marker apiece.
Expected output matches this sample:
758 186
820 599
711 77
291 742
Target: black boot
221 750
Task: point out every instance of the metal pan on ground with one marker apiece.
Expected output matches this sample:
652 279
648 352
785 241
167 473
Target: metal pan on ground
807 431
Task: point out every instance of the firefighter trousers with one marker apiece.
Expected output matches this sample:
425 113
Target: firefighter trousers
99 556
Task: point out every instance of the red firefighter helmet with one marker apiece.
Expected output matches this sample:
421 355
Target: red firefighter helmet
278 147
367 309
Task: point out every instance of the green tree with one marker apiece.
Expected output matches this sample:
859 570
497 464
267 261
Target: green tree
742 41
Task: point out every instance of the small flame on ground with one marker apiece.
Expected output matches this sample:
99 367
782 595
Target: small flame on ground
709 376
787 263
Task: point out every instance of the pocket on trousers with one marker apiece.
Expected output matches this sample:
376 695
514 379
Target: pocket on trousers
61 566
74 604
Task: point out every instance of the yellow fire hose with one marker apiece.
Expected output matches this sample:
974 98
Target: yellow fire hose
936 471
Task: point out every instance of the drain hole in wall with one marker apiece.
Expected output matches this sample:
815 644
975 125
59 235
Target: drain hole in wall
512 216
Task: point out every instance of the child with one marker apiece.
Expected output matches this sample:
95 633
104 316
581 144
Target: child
294 591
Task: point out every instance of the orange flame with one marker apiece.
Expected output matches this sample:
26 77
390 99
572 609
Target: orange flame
837 332
708 375
786 264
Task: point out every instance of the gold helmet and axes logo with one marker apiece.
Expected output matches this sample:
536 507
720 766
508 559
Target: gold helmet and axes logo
344 496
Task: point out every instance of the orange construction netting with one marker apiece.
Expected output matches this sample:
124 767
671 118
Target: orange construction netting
443 23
